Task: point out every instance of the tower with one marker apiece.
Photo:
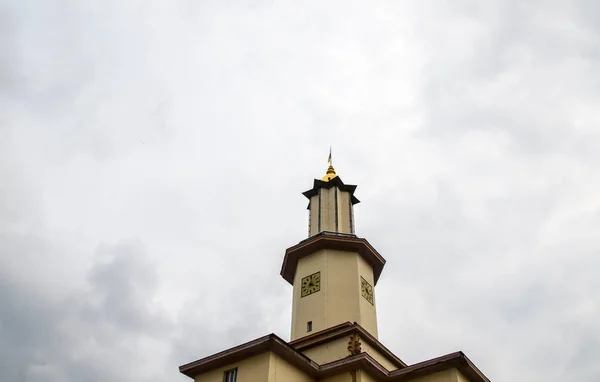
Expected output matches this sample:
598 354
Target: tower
333 272
334 322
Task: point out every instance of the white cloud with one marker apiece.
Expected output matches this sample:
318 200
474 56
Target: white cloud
188 130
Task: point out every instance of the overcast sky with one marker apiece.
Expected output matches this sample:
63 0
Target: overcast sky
153 155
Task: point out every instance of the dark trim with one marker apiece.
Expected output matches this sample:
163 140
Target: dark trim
326 240
343 330
335 191
320 208
318 184
351 217
309 219
229 371
457 360
362 361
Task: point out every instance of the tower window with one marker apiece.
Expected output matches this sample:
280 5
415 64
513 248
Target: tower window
309 326
230 375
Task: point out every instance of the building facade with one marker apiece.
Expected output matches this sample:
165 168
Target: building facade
334 335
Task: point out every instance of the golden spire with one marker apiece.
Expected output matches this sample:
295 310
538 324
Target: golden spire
330 171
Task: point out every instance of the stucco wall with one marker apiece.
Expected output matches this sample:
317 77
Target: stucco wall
312 307
332 201
364 377
314 215
281 371
442 376
339 299
361 376
251 369
327 209
329 352
344 212
460 377
368 311
344 377
379 357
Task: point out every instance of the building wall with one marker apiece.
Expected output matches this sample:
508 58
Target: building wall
266 367
314 215
360 376
339 299
379 357
364 377
368 311
460 377
281 371
338 349
442 376
324 206
344 377
312 307
344 211
329 352
251 369
328 209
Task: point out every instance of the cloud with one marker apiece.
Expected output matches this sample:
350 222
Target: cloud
152 157
95 334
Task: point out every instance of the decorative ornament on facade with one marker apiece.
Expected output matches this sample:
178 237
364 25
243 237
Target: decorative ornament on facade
354 345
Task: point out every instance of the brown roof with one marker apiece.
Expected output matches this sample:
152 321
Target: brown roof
362 361
268 343
330 240
342 330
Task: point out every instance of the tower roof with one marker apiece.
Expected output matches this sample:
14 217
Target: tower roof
331 240
330 174
335 181
331 179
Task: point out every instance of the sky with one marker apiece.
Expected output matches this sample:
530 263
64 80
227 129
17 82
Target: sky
153 155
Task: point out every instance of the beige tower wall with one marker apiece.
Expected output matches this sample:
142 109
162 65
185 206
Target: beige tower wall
344 208
339 299
330 210
314 215
367 310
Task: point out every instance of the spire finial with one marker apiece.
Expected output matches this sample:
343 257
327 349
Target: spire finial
330 171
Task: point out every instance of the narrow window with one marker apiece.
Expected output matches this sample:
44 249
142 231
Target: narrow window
230 375
309 326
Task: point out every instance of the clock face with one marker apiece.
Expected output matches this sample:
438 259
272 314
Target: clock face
311 284
366 290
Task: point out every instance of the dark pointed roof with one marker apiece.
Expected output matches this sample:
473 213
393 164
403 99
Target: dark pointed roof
336 181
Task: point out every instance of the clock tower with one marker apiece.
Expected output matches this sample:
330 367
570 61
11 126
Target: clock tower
333 272
334 323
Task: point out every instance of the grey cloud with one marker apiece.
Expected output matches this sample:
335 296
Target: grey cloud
122 288
470 129
67 339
